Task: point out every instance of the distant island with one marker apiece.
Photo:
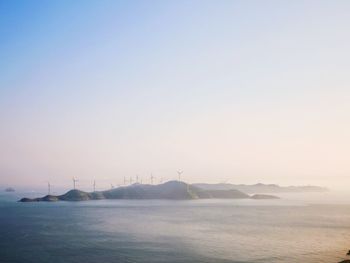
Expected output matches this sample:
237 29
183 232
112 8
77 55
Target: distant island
174 190
9 189
262 188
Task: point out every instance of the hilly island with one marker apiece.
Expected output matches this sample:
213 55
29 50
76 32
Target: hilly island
175 190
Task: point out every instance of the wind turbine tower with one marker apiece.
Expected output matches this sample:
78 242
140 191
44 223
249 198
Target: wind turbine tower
94 186
152 177
74 182
48 188
179 174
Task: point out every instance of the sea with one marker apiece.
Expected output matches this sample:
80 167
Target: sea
297 228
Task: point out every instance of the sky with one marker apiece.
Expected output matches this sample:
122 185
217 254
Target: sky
227 91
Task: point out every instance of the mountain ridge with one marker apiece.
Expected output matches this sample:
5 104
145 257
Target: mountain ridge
261 188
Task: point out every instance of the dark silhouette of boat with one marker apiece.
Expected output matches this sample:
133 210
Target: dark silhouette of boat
9 189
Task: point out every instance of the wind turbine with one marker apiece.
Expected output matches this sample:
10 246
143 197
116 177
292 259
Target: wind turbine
94 186
130 180
74 181
152 177
124 180
137 178
48 188
179 174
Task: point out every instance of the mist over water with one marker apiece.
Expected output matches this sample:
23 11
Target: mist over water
292 229
96 94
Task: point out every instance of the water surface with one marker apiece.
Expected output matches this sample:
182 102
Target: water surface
286 230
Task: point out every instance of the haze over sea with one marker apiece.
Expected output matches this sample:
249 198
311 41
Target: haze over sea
112 92
297 228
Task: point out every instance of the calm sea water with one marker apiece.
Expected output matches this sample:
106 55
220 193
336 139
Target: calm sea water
286 230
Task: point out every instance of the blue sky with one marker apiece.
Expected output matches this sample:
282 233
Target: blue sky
244 91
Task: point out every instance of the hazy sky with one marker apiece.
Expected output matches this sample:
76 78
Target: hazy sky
244 91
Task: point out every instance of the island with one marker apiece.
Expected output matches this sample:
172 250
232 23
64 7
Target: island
262 188
174 190
9 189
